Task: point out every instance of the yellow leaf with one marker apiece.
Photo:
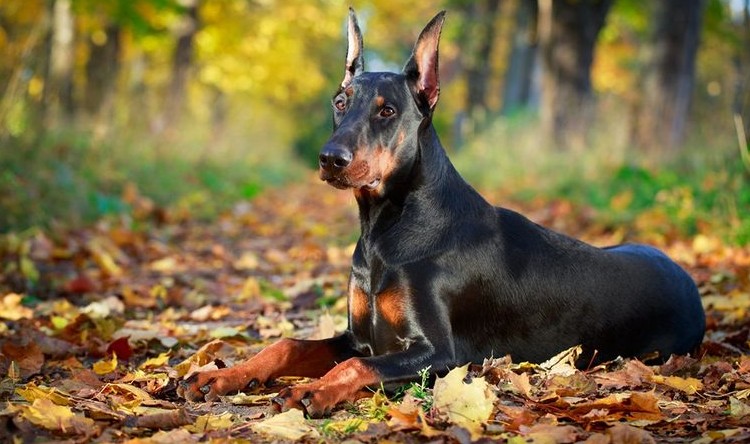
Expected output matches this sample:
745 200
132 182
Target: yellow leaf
156 362
105 365
289 425
129 391
687 385
346 426
11 308
106 263
203 356
206 423
45 413
466 405
163 265
31 392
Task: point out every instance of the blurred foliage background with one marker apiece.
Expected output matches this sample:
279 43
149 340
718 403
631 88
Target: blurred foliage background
122 108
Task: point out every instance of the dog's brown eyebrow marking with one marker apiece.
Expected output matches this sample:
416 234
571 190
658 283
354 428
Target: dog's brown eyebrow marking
379 101
349 91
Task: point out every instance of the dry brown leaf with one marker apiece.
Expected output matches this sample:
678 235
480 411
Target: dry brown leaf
28 356
626 434
520 383
163 420
549 433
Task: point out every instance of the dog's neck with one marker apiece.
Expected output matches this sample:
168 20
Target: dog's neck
429 175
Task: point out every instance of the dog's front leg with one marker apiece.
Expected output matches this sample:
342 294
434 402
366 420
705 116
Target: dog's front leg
349 380
287 357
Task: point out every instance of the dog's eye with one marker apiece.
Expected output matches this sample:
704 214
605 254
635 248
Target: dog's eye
339 103
387 111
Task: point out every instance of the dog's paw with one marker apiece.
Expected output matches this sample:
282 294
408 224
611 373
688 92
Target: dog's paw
209 385
310 398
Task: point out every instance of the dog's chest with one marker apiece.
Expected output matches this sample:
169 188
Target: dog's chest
379 311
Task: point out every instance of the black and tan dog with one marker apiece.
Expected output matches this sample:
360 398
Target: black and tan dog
440 277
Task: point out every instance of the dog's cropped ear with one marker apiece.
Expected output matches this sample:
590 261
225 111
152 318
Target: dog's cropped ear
422 66
355 61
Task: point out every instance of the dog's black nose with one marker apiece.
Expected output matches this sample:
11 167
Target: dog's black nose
334 158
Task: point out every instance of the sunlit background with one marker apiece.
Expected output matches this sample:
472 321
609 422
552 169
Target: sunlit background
639 110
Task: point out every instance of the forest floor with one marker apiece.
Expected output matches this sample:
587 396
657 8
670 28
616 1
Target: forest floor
100 324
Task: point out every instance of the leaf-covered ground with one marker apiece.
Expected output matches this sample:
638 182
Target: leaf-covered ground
99 324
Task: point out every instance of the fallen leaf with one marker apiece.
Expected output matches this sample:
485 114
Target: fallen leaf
248 399
105 366
12 309
288 425
206 423
632 375
120 347
28 356
44 413
156 362
465 404
104 308
549 434
520 383
176 436
737 408
687 385
31 392
564 362
205 355
625 433
163 420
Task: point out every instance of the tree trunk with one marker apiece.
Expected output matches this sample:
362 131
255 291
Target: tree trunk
668 79
181 65
58 92
568 33
102 69
517 91
479 44
741 103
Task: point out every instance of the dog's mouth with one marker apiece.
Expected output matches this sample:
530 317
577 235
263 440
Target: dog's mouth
343 184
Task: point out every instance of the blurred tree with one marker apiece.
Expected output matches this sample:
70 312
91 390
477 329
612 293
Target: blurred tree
102 68
519 75
477 41
58 93
741 102
568 32
182 60
669 75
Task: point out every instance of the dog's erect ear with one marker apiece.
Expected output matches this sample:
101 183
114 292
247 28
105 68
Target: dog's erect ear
355 61
422 67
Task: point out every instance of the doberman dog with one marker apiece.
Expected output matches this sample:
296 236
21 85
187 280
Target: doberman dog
440 277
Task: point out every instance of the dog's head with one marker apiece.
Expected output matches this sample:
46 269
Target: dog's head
377 115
